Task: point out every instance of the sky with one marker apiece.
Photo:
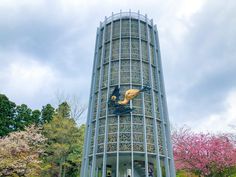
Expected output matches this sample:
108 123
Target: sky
47 48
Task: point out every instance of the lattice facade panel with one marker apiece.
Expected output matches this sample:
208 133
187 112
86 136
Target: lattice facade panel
127 55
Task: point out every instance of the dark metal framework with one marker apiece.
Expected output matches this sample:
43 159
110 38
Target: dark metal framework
127 54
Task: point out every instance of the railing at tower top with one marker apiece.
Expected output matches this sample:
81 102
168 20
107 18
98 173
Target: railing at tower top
123 15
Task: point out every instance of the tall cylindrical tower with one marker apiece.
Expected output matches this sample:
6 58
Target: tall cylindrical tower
134 143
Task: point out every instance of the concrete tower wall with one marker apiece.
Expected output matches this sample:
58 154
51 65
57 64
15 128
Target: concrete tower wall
127 54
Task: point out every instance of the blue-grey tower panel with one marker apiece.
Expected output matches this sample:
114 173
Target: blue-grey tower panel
127 55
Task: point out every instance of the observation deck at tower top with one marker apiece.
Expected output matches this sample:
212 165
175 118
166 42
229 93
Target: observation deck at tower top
126 15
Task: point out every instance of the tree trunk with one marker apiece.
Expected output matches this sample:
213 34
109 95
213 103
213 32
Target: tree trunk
60 171
64 171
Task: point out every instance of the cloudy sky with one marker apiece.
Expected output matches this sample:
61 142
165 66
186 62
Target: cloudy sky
46 48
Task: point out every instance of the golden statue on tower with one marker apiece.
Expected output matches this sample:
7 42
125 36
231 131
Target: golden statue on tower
119 106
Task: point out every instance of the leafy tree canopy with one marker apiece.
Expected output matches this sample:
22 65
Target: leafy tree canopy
47 113
64 110
26 152
7 112
16 117
63 152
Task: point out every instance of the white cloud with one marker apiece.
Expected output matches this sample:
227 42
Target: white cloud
188 8
55 43
219 122
29 74
25 79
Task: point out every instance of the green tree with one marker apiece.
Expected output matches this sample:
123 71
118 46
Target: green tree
63 152
64 110
15 118
35 117
23 117
47 113
7 113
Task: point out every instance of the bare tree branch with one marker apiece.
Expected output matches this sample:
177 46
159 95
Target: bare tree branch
77 109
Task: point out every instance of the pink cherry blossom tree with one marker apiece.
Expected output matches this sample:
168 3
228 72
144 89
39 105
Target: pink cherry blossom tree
205 155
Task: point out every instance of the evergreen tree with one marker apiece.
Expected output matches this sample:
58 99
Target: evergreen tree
47 113
35 117
64 110
14 118
7 113
63 151
64 140
23 117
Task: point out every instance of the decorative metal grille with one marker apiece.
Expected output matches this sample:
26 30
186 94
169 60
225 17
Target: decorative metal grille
150 139
102 121
149 121
100 37
114 73
112 137
134 28
135 49
115 49
148 104
151 37
112 128
125 27
138 128
99 59
160 137
106 52
125 137
157 111
155 84
111 147
143 30
105 76
137 119
125 119
108 32
125 147
101 130
138 147
138 137
151 148
116 29
146 73
100 148
95 106
97 80
144 51
149 129
125 127
125 47
103 103
125 72
101 138
129 58
136 74
152 55
112 120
